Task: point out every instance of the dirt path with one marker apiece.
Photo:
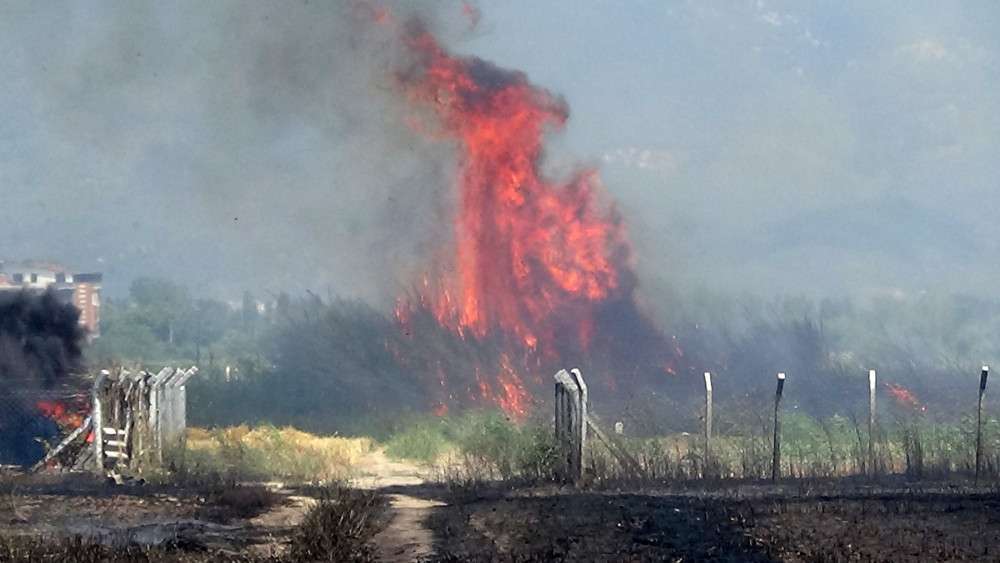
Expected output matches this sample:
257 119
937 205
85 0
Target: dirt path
407 537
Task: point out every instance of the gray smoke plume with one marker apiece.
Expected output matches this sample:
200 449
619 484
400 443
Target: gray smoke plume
223 144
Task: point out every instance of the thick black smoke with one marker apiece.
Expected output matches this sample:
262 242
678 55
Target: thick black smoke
40 348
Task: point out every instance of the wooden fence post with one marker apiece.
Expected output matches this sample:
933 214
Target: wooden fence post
776 460
871 422
708 423
570 423
983 376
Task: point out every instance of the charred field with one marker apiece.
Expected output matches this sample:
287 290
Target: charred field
819 521
81 519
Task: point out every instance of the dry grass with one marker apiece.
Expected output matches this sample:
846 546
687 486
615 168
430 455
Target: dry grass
269 453
234 501
23 549
339 527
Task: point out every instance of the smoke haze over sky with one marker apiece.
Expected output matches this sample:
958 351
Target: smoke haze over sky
825 148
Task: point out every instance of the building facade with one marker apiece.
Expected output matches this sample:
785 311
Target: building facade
83 290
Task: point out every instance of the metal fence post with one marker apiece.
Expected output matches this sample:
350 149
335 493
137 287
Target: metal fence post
983 376
776 460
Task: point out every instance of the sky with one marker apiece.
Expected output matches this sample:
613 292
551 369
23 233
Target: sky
817 148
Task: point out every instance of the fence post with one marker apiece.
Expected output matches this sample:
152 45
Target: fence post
98 420
871 422
776 460
983 376
581 418
571 423
708 423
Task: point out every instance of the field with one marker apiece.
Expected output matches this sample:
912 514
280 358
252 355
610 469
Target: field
479 488
833 522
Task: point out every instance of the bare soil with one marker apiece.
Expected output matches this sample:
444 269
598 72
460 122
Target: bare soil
406 536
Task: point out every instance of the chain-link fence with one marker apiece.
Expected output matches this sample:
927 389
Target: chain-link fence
34 420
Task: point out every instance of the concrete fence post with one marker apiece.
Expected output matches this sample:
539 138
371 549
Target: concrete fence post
708 424
872 469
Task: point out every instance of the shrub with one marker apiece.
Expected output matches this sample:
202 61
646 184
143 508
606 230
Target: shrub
421 439
339 527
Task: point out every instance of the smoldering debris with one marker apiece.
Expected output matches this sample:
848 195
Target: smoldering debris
40 350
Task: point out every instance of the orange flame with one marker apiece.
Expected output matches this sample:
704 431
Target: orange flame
527 249
904 397
533 260
60 414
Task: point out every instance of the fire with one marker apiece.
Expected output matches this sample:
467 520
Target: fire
67 417
533 261
904 397
526 249
59 413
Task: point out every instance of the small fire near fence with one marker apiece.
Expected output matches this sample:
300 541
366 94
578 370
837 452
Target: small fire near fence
128 421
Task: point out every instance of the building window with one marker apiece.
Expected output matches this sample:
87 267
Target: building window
60 278
34 278
18 278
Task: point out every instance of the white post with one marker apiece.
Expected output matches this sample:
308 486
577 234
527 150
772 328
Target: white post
871 422
98 420
582 453
708 421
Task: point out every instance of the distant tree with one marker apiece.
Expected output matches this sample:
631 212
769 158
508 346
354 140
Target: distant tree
284 305
207 324
249 313
162 304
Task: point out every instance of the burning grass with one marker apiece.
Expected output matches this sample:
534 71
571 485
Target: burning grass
270 453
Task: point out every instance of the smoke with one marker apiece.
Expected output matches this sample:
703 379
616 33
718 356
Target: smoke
40 347
224 144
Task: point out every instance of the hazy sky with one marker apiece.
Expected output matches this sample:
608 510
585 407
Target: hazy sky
826 148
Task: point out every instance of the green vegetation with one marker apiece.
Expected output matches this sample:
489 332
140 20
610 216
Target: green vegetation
486 446
336 366
422 439
161 322
480 445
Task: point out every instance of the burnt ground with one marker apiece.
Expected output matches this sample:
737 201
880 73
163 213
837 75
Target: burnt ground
839 520
832 522
195 517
